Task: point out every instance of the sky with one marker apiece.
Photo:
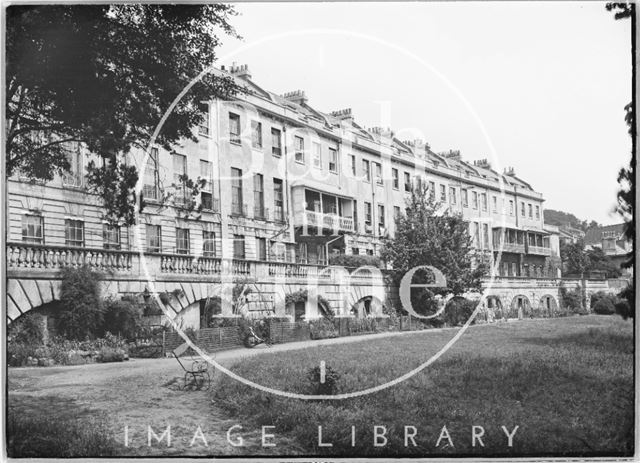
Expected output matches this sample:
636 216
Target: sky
540 87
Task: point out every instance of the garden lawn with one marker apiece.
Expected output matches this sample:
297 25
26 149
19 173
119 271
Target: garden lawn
566 383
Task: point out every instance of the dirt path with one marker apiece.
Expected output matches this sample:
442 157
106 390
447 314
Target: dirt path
144 392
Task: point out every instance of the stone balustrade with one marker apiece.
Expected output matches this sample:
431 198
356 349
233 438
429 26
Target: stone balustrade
38 256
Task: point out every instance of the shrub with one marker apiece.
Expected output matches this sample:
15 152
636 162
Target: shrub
628 295
82 313
110 354
604 306
354 260
151 307
458 311
145 351
571 299
322 329
121 317
595 297
623 309
330 384
28 329
223 322
435 322
18 353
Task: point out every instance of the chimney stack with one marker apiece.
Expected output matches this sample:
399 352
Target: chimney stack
382 132
482 163
452 154
241 71
343 114
297 96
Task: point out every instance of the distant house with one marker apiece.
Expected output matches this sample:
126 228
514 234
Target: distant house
569 234
612 240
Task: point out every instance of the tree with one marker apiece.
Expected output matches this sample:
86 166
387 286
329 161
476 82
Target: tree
600 262
82 311
426 237
579 261
574 258
627 175
103 76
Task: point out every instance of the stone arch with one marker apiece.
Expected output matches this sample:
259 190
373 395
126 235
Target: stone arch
520 307
24 295
48 317
547 306
495 308
209 309
367 306
298 308
358 292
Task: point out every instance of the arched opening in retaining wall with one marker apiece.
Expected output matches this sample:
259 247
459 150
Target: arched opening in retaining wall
366 307
210 308
298 306
48 315
520 307
494 306
548 306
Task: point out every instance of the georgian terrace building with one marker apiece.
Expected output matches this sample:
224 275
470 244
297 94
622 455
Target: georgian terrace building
285 182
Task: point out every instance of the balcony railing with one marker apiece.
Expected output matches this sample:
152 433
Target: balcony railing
278 214
330 221
260 213
510 247
539 250
239 210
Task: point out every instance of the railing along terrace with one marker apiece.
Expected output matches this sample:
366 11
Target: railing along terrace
29 255
173 263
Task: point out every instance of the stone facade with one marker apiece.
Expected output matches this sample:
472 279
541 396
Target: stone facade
285 186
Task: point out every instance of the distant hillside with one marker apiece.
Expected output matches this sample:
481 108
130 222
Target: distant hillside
566 219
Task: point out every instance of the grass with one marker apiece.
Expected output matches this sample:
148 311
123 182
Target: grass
68 431
567 383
